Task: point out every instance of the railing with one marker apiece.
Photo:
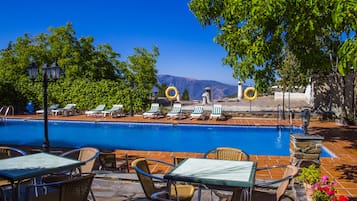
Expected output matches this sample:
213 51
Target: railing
278 123
280 117
2 116
4 112
10 108
291 117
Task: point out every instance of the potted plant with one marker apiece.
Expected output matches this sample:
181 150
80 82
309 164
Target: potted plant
324 190
309 176
318 188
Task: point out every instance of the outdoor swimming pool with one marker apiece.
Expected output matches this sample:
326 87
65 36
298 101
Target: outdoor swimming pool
148 136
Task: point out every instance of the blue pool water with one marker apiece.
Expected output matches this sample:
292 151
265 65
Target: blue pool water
141 136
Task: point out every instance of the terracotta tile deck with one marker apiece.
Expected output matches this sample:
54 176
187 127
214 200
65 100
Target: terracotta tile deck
342 141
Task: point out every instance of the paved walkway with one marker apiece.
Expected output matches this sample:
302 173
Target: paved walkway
342 141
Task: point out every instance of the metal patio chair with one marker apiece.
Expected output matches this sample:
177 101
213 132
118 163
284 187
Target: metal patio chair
87 155
227 153
109 161
147 180
8 152
74 189
264 189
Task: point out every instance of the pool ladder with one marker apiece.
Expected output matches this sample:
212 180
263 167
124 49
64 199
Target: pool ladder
4 112
280 117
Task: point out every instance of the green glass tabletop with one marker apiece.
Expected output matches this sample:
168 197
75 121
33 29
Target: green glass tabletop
28 166
215 172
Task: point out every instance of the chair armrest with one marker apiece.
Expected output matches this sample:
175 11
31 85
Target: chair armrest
246 155
271 182
151 175
209 152
177 159
160 161
148 175
96 155
70 152
160 196
78 150
271 167
265 184
19 151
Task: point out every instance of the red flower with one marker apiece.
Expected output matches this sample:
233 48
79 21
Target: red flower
343 198
325 189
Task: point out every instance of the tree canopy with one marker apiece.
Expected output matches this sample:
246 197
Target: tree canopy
93 74
265 39
256 33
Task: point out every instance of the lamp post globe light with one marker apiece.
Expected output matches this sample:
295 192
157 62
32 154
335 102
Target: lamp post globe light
48 73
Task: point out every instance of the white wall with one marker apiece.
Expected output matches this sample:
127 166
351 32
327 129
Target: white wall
293 96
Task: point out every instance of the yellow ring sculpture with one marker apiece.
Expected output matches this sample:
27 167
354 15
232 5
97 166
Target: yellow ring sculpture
246 93
168 90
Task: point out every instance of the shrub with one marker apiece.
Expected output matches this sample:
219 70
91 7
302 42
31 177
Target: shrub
309 175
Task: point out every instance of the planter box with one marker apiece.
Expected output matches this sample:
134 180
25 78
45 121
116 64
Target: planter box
309 191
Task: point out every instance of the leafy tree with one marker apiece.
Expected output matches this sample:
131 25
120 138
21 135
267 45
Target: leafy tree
141 76
256 33
289 73
92 74
162 89
290 77
185 95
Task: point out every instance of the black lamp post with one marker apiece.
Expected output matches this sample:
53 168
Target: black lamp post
305 118
155 96
48 73
132 86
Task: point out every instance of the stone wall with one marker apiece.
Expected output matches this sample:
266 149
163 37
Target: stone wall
328 96
305 150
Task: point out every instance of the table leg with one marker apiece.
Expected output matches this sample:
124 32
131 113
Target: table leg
169 187
246 194
250 194
199 194
15 191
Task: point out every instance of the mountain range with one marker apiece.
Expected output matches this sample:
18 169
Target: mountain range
196 88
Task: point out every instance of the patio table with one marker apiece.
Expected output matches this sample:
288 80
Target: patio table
25 167
226 173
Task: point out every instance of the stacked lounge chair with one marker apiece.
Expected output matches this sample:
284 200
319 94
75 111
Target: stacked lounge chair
115 111
67 110
49 109
175 111
197 112
98 110
216 112
153 111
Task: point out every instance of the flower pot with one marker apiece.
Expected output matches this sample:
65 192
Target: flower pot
309 191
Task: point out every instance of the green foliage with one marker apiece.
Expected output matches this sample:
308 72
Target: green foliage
162 89
92 74
141 74
289 73
256 34
309 175
185 95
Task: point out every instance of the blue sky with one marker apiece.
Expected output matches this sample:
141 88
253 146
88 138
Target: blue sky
186 48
